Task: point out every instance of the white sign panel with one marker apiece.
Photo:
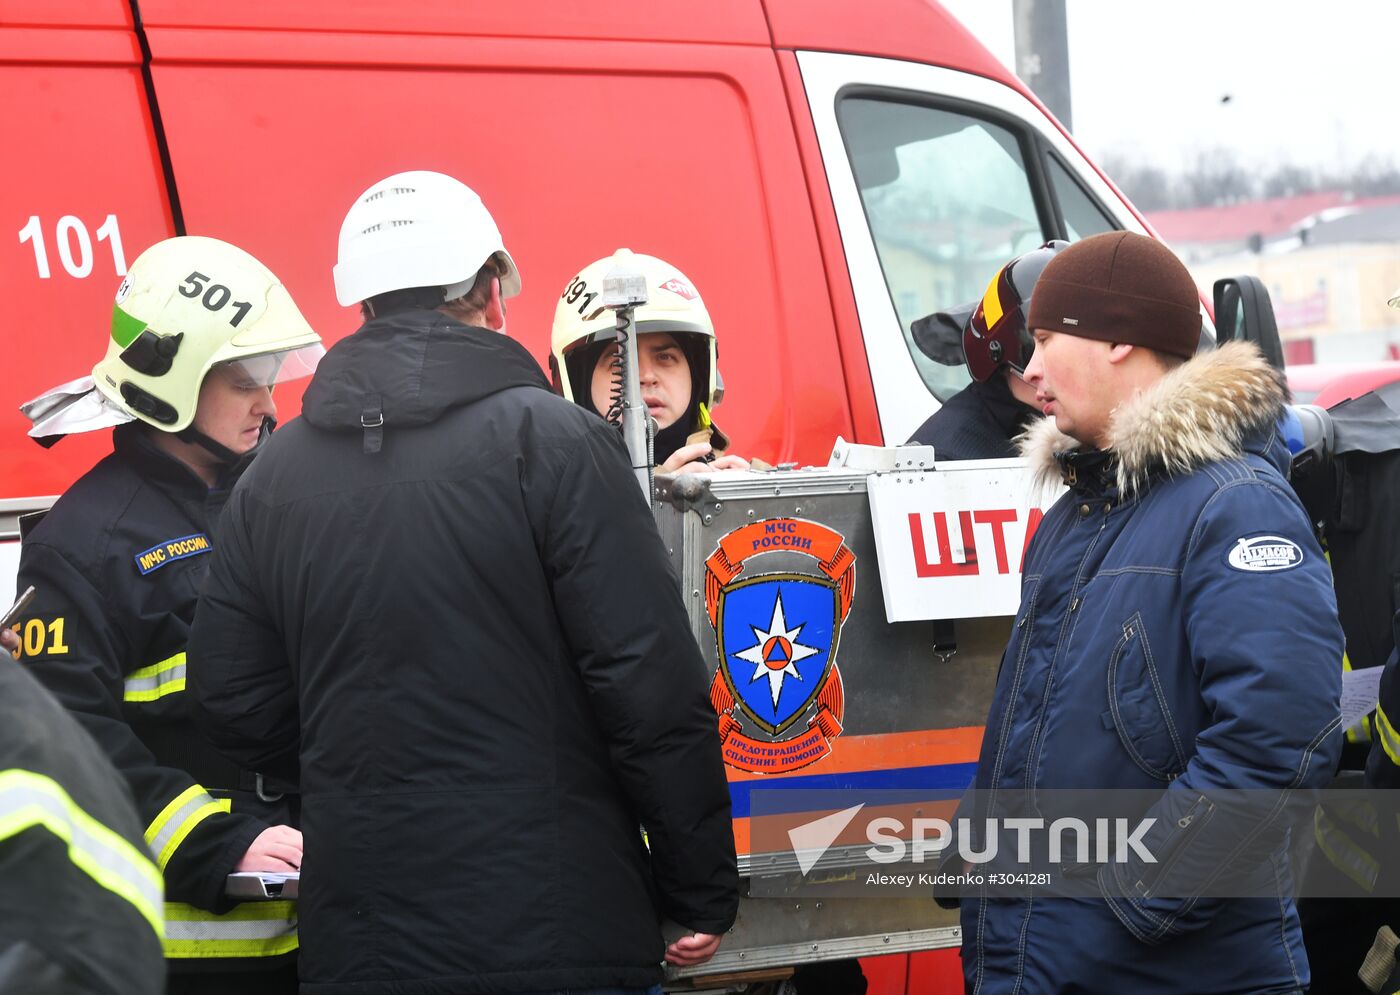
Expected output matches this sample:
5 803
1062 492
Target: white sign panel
951 541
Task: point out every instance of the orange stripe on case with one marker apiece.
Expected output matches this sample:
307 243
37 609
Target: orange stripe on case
886 751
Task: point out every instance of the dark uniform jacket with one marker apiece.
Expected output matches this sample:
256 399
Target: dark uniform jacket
116 566
1383 763
981 421
82 897
1351 495
1177 634
446 578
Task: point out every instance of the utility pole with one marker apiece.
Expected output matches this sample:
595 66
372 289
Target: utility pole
1042 53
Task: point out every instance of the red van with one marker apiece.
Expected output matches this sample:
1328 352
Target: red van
825 171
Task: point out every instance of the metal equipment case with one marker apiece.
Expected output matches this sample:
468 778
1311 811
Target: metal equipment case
779 572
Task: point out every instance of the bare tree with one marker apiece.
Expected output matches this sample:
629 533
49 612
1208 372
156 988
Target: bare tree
1217 178
1146 186
1373 177
1288 180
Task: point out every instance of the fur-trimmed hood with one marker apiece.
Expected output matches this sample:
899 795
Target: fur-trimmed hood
1200 412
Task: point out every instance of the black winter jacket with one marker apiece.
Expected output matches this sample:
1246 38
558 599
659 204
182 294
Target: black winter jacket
446 577
978 422
116 565
82 895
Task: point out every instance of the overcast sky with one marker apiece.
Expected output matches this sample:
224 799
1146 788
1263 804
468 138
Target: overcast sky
1310 81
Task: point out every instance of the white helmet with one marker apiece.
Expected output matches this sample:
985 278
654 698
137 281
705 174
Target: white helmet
673 305
418 229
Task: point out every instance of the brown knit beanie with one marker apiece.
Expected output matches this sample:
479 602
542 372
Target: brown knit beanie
1120 287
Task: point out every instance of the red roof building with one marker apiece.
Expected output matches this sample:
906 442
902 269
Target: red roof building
1210 230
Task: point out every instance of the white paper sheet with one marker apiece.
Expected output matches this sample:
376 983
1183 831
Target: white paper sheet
269 876
1360 691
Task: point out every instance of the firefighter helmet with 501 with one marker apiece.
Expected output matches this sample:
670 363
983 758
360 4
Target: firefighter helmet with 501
583 328
186 305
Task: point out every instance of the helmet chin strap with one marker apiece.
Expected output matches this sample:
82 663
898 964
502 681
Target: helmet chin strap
225 456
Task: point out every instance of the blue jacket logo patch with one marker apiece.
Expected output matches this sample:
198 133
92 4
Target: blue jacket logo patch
171 550
1261 554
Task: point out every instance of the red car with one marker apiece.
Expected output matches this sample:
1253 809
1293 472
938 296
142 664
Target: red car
1327 384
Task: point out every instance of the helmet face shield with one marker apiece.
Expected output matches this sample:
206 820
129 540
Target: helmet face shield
273 368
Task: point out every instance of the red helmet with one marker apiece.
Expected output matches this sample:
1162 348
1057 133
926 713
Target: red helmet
996 335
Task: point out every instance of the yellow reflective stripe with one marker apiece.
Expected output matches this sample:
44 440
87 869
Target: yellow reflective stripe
1390 739
1352 860
252 929
188 809
1361 732
1356 813
991 302
28 800
157 680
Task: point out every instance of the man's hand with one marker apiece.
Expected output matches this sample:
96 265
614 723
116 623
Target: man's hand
277 849
691 950
9 639
688 459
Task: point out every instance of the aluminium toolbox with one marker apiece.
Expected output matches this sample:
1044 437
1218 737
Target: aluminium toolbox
814 687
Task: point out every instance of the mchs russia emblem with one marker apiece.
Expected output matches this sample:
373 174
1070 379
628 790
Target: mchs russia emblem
777 689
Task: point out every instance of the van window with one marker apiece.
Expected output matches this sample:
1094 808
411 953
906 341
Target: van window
1082 216
948 201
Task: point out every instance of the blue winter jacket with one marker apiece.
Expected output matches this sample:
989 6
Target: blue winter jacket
1161 645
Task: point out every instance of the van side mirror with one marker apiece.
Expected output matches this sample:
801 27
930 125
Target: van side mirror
1243 313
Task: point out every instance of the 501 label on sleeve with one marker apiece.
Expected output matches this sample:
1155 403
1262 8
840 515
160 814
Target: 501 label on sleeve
73 245
40 637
